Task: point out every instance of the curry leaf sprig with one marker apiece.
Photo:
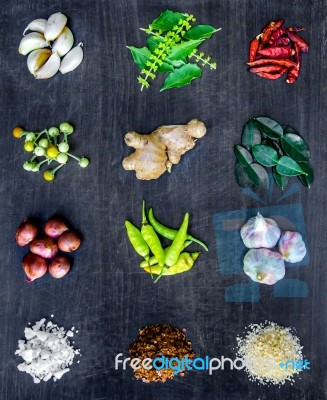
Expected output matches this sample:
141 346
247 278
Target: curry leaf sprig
172 44
161 261
267 144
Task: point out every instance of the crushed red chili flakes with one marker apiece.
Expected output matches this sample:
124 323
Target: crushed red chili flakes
157 341
276 47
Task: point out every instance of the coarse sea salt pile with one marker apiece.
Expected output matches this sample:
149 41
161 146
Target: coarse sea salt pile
265 349
46 351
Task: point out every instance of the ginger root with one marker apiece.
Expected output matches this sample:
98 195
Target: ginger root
156 153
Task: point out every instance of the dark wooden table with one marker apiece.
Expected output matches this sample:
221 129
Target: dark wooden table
106 296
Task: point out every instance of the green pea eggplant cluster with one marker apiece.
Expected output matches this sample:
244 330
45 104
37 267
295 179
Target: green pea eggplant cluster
161 261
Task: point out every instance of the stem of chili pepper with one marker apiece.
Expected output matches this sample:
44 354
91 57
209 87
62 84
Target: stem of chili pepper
295 29
303 45
151 238
176 247
137 241
272 61
170 233
277 52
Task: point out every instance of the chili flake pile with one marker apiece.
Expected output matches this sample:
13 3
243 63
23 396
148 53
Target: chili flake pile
276 51
157 341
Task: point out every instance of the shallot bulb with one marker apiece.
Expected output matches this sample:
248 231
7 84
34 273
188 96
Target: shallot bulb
26 232
46 248
34 266
69 241
55 226
59 267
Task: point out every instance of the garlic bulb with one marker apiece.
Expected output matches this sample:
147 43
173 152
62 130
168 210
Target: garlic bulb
260 232
264 266
292 247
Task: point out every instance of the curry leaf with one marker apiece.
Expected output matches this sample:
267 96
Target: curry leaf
258 175
308 179
251 135
265 155
287 166
243 155
281 180
182 76
200 32
242 176
270 127
295 147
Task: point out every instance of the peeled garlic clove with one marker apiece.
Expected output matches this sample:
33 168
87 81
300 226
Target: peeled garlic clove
64 42
32 41
50 68
260 232
38 25
264 266
36 59
72 59
292 247
54 26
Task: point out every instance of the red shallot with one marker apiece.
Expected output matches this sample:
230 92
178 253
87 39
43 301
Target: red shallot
59 267
69 241
26 232
55 226
34 266
46 248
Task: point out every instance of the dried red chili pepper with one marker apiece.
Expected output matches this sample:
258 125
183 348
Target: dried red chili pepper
270 69
269 30
277 34
282 41
272 76
277 52
294 72
254 46
304 46
271 61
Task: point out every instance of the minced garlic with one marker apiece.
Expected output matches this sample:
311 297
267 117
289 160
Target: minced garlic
270 353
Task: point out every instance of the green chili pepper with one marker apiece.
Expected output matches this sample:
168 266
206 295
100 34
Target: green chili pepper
153 260
170 233
176 247
137 241
151 238
184 264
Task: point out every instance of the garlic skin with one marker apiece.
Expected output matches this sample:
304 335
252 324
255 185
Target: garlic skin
36 59
38 25
260 232
50 68
72 59
264 266
64 42
54 26
292 247
32 41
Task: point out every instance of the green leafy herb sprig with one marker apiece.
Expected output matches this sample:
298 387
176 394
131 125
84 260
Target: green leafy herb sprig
267 144
172 44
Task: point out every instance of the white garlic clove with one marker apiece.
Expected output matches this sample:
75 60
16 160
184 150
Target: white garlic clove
50 68
38 25
32 41
260 232
292 247
72 59
36 59
55 26
264 266
64 42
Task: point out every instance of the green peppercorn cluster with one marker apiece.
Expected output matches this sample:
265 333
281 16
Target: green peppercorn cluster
48 146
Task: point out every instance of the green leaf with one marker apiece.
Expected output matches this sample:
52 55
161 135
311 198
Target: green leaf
182 50
308 179
258 175
281 180
242 176
275 145
182 76
153 42
295 147
167 20
140 55
175 64
200 32
270 127
265 155
243 155
251 135
287 166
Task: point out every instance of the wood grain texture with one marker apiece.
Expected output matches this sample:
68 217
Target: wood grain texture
106 296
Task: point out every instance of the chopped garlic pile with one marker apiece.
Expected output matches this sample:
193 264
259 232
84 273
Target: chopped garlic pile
265 350
46 351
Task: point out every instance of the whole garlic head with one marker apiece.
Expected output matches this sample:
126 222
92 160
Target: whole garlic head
260 232
264 266
292 247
